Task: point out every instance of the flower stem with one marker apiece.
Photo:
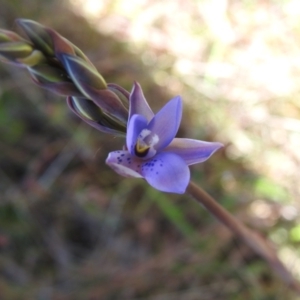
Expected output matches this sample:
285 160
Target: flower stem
257 243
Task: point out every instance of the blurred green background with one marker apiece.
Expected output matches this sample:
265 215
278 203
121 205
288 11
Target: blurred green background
70 228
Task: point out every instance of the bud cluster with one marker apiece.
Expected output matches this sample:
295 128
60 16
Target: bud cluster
56 64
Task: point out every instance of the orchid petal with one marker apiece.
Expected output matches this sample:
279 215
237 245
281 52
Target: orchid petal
124 164
136 124
192 151
138 103
166 172
166 122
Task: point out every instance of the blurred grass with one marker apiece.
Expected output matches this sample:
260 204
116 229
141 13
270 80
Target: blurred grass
72 229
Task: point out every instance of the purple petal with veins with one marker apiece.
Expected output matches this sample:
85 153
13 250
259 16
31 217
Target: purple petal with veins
167 172
166 122
136 124
193 151
138 104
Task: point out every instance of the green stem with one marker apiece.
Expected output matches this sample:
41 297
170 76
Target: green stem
257 243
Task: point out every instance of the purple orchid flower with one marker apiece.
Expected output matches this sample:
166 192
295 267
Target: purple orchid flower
152 152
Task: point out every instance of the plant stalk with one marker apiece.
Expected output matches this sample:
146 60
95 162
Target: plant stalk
264 248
